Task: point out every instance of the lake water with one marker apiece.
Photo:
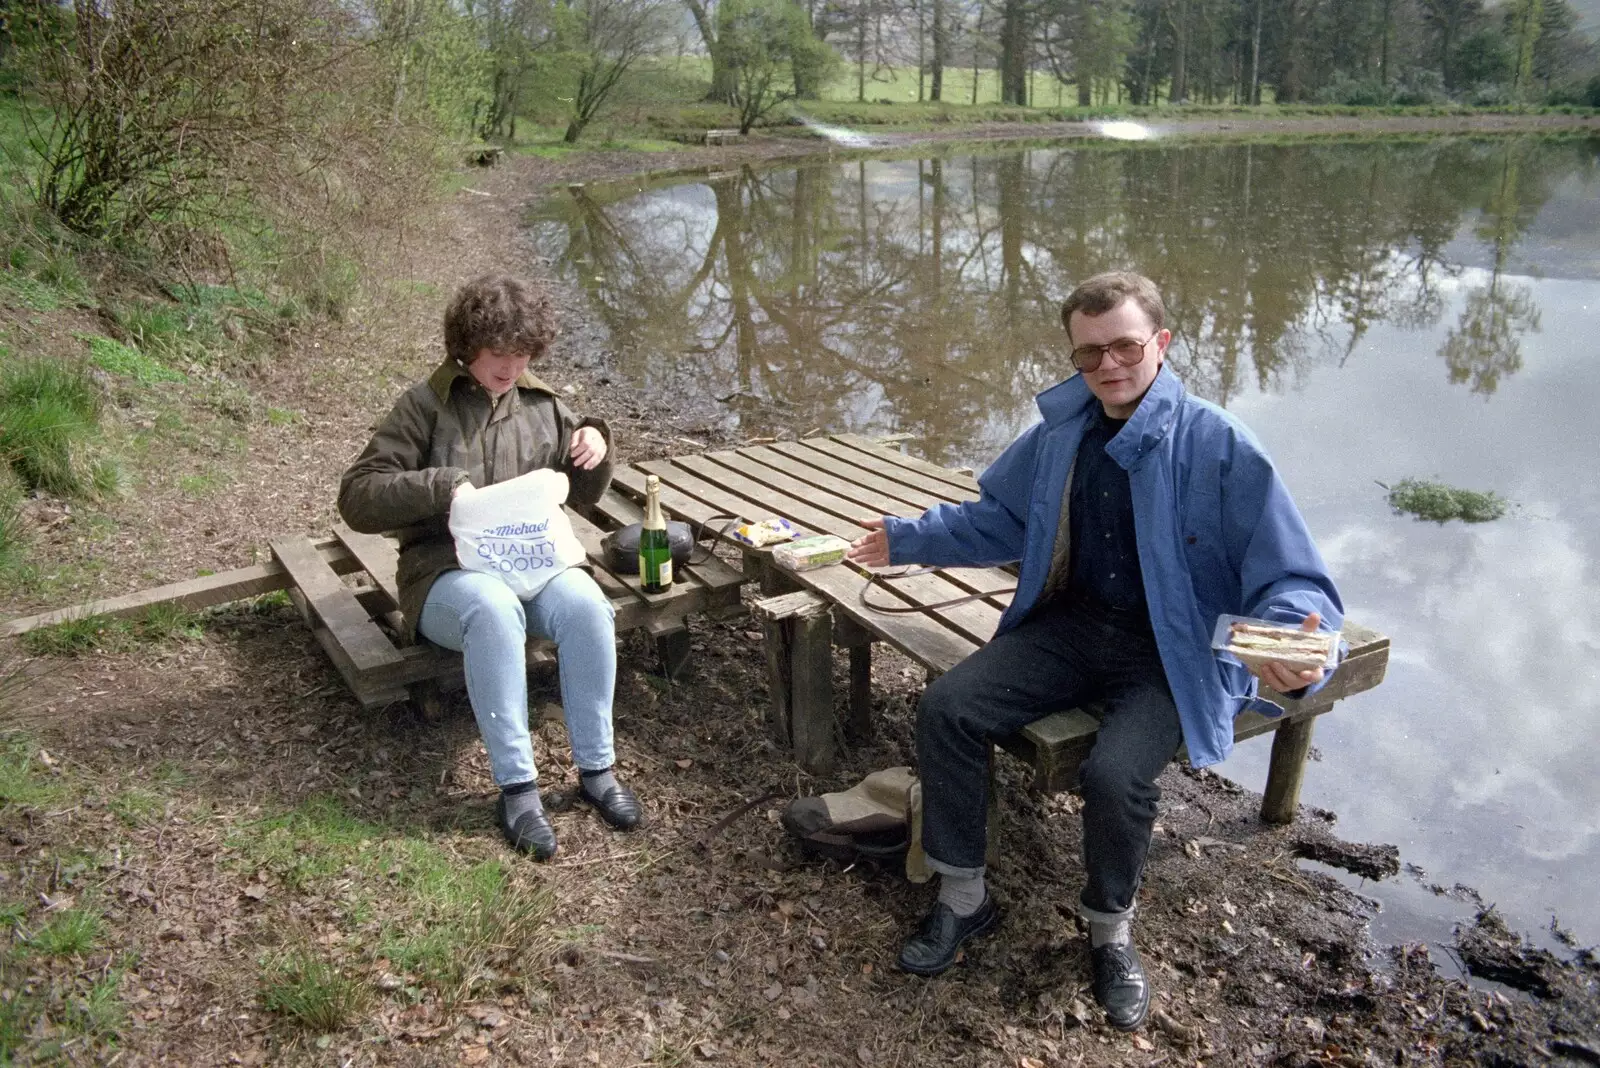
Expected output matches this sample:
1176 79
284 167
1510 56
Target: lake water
1375 311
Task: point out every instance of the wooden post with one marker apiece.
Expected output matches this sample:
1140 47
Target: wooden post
671 640
858 639
1291 744
811 694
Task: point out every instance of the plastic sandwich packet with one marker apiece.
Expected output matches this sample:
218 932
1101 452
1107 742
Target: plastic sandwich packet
1254 642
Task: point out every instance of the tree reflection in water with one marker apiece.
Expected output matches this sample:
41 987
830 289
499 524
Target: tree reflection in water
921 295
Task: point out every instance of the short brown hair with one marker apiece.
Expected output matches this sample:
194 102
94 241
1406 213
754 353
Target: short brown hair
1098 295
497 311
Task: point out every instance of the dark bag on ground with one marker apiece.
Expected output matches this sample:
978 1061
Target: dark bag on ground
622 546
878 819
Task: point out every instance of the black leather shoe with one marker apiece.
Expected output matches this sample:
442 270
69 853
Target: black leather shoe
617 806
1120 986
933 948
532 833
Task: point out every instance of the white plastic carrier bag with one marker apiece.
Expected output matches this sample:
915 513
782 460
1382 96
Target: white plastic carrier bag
516 531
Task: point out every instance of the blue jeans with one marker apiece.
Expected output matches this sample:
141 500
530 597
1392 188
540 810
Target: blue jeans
478 616
1061 656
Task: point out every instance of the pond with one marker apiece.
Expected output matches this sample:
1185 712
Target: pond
1375 311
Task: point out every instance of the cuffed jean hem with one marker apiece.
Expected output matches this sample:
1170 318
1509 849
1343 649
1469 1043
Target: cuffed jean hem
935 864
1094 916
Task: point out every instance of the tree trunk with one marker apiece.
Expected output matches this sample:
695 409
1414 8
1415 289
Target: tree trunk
1013 53
861 52
574 131
1180 53
936 70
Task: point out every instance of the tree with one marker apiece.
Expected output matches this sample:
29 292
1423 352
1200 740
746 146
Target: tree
515 32
1014 45
1449 21
770 47
606 37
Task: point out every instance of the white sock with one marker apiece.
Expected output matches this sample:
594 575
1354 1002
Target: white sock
964 894
1118 931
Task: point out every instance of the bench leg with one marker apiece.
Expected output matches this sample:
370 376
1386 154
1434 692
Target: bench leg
859 726
672 648
811 697
775 642
1291 744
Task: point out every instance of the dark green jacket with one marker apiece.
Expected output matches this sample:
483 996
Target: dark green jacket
440 430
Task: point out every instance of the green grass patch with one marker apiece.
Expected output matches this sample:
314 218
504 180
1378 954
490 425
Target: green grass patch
137 807
202 485
49 425
282 416
310 991
1439 503
13 531
68 933
23 779
159 624
116 358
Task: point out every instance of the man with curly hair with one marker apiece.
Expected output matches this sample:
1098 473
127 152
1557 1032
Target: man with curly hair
481 418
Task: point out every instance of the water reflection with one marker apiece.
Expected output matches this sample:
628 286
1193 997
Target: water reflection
919 295
1373 311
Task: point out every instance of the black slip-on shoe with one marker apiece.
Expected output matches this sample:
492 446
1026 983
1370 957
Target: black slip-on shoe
933 948
531 834
1120 986
617 806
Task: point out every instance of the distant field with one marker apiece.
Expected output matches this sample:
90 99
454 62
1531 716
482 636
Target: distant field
898 85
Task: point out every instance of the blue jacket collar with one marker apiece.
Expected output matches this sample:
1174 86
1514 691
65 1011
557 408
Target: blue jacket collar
1150 423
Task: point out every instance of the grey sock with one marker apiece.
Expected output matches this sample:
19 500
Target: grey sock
521 799
963 893
596 783
1118 931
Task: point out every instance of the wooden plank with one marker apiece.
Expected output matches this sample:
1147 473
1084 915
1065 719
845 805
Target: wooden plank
884 469
961 481
760 464
862 500
592 538
370 696
919 637
975 620
335 605
378 555
193 594
860 477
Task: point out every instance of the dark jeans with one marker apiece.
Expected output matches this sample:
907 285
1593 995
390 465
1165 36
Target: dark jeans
1060 657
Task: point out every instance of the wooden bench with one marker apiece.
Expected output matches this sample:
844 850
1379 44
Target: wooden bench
356 619
720 137
827 485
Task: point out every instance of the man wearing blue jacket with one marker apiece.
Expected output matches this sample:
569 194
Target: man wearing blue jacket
1139 514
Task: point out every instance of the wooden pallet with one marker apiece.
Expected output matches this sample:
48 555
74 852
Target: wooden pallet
354 615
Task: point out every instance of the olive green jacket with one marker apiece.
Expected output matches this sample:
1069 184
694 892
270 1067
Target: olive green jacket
440 432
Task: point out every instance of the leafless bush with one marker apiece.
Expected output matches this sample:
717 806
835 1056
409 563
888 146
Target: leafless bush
194 125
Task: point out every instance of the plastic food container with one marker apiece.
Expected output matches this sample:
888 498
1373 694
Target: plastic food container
803 554
1255 642
764 532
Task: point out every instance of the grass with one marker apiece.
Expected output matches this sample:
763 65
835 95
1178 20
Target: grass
13 531
23 780
1439 503
69 933
444 923
116 358
160 624
49 425
311 991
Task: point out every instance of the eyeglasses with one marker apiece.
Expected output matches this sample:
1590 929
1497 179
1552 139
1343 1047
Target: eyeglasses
1124 350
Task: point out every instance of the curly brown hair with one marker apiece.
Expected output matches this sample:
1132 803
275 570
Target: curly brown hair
1098 295
497 311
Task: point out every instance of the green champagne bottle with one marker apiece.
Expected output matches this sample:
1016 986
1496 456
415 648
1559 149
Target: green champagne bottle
655 549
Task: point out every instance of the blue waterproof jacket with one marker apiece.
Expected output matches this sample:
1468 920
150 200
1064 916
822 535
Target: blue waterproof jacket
1217 533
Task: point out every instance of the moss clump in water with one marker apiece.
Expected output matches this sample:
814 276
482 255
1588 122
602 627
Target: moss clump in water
1440 503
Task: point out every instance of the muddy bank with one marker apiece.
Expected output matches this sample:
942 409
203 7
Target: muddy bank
673 945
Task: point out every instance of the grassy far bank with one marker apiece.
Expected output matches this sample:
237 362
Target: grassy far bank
662 105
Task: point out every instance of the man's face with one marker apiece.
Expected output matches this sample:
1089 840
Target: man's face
497 371
1118 388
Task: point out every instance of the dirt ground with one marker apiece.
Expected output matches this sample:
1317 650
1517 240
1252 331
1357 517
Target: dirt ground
695 938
